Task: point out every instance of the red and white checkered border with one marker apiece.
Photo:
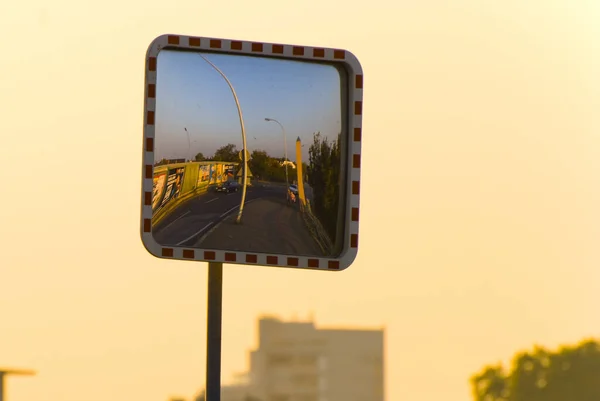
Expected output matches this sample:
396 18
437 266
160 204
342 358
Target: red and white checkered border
354 132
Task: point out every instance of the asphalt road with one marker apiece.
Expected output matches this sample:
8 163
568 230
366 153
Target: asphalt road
193 218
269 225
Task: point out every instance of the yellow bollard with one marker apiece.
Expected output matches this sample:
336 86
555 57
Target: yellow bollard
300 178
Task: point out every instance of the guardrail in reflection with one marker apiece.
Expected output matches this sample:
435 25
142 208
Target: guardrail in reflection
317 230
173 184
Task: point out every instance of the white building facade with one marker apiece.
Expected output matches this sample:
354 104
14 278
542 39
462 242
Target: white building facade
295 361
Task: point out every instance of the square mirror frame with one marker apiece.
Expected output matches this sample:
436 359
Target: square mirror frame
352 129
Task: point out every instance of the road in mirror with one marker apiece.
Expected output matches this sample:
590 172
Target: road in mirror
288 116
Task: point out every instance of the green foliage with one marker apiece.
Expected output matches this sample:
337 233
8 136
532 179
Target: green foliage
200 157
227 153
267 168
571 373
324 177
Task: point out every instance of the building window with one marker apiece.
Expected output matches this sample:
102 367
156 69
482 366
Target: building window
279 360
322 363
322 384
307 397
306 380
307 360
279 397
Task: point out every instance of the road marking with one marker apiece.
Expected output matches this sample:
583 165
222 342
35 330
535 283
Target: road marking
168 225
196 233
229 211
212 223
212 200
237 207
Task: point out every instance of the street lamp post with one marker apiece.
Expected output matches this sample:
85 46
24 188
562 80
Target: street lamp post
284 149
189 144
245 151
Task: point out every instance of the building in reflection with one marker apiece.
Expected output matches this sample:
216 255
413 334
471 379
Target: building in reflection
296 361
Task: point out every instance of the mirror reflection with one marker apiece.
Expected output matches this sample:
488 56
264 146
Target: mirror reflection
249 154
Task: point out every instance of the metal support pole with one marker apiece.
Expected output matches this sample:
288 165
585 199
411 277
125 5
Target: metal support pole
5 372
2 386
213 331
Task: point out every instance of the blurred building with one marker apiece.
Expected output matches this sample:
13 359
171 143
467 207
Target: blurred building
232 393
239 390
296 361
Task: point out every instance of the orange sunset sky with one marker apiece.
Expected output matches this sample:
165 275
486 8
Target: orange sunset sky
480 195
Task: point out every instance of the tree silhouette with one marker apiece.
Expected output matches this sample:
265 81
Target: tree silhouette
259 163
571 373
324 178
227 153
266 167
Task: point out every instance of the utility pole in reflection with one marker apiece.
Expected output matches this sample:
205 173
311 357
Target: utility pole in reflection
5 372
285 154
189 144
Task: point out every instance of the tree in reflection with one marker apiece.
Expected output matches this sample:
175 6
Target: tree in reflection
227 153
324 178
572 373
265 167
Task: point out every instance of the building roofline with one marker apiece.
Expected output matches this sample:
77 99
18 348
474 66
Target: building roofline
333 327
352 328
